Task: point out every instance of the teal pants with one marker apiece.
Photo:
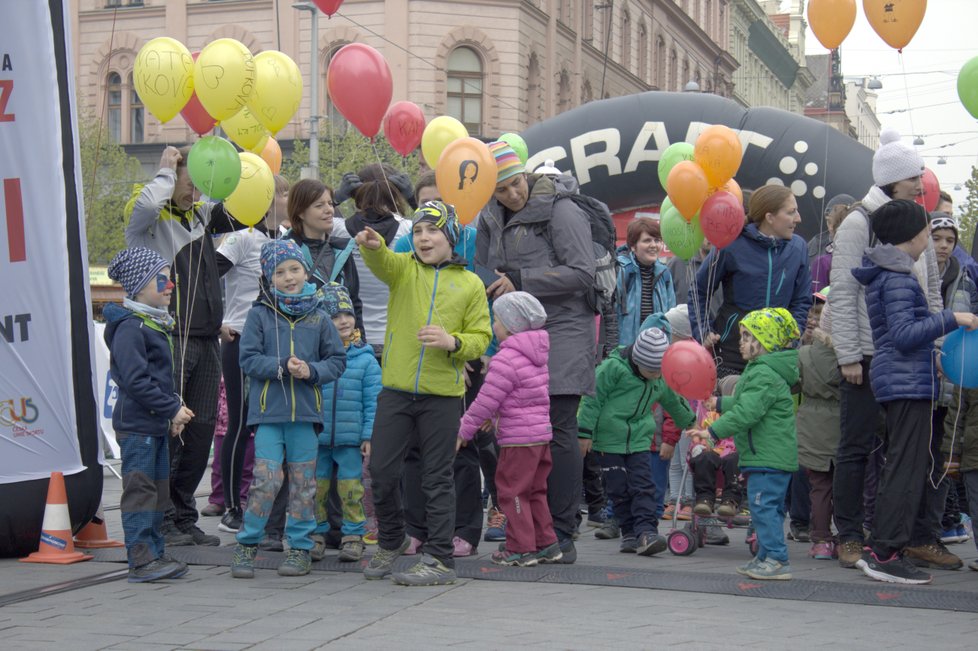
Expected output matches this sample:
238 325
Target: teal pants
349 471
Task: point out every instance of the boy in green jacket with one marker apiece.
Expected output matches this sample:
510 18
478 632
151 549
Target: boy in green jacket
761 418
437 319
617 423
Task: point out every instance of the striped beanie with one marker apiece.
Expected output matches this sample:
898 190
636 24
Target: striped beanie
648 349
508 164
134 268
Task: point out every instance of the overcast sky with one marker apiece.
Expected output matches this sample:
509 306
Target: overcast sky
937 52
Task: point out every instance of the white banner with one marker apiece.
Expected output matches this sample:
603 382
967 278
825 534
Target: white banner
38 430
107 391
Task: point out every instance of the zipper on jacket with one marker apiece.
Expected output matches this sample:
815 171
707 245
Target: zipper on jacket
783 274
332 432
387 348
770 266
638 408
431 309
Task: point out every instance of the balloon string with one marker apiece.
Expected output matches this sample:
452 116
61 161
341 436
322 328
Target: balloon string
906 92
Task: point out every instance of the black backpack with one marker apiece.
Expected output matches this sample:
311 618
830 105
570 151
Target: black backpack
604 241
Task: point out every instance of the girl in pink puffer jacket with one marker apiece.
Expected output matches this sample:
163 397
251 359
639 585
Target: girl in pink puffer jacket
515 397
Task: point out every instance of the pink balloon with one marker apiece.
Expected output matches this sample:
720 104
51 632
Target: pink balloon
359 83
404 126
721 218
328 7
196 115
689 370
932 191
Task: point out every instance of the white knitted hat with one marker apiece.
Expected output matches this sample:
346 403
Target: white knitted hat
895 160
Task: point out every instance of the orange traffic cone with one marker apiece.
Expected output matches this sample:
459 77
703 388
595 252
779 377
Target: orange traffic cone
56 545
94 535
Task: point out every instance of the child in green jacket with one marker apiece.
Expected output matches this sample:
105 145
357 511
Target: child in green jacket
617 423
761 418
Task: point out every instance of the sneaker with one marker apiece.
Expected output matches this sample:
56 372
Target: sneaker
212 510
596 520
892 570
650 543
297 563
383 560
727 509
462 548
822 551
769 570
742 519
950 535
157 570
799 532
932 555
669 513
704 506
629 545
685 513
608 531
495 526
715 535
231 522
514 559
202 539
270 544
849 553
370 538
173 537
318 551
963 535
428 571
182 569
243 561
549 554
414 546
748 566
568 552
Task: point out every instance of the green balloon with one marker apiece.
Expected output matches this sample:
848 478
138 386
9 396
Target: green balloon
683 238
968 86
214 167
674 153
518 144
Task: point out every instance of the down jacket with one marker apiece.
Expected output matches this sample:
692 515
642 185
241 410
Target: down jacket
904 329
515 392
350 403
818 413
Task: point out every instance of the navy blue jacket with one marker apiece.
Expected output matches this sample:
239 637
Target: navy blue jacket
904 329
141 365
350 403
269 338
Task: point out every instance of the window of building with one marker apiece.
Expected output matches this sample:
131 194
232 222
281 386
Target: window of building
565 12
660 63
605 25
643 52
136 114
563 92
626 38
673 71
534 92
587 94
113 103
587 22
465 88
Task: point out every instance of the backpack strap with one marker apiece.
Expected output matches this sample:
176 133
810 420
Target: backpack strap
341 259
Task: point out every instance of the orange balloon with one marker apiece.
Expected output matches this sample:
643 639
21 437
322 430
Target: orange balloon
466 176
687 188
896 21
271 153
718 152
733 188
831 20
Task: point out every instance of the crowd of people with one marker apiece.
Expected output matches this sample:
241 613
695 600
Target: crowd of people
380 380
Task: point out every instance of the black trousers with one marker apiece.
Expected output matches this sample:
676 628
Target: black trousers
238 432
564 485
594 493
799 501
431 424
705 466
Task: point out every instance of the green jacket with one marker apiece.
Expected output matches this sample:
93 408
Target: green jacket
618 418
761 414
818 414
420 295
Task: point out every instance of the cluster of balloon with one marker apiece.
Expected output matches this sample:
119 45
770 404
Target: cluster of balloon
896 21
689 370
699 181
359 84
404 126
466 176
957 353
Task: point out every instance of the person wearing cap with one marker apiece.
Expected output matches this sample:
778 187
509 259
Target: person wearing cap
821 265
897 170
760 417
438 319
904 380
618 425
539 242
148 408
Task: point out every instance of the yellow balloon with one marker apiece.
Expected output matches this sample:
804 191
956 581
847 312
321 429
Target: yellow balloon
252 198
164 77
278 90
224 77
244 130
439 133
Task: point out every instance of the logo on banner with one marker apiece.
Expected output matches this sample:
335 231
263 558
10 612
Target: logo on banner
17 414
111 396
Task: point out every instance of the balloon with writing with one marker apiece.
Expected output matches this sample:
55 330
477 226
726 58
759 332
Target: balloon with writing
684 238
163 77
224 77
404 126
244 129
722 218
252 198
689 370
466 177
896 21
278 90
194 113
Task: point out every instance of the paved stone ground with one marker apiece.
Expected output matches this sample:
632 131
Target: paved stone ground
209 610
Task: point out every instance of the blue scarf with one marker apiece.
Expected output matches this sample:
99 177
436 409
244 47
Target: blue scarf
157 315
299 304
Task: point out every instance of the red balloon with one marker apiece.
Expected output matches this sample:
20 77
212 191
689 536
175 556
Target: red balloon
722 218
359 83
689 370
932 191
404 126
196 115
328 7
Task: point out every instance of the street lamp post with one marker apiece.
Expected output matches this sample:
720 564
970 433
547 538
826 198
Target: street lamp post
311 171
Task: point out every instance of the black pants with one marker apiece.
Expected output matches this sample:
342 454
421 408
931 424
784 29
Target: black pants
431 424
859 419
705 466
564 485
935 493
953 498
799 502
238 432
631 489
488 459
594 494
906 498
